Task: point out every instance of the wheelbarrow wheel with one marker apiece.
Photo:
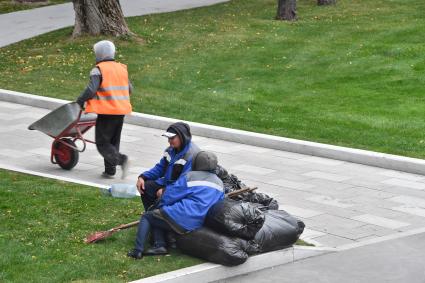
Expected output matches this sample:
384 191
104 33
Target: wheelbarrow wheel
65 156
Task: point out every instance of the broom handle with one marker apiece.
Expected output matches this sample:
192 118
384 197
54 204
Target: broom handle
126 226
240 191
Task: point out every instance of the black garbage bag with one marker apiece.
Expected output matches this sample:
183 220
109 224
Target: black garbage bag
209 245
235 218
267 202
280 230
232 183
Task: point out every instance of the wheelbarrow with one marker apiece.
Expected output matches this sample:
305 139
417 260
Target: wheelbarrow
66 125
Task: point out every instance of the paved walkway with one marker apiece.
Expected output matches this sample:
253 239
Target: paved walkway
340 202
25 24
395 261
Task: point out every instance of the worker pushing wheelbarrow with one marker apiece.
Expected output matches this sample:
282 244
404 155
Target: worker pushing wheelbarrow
66 125
108 96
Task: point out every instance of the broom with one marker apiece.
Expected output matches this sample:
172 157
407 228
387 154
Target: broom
101 235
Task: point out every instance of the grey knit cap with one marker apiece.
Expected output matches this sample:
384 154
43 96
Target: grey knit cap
104 50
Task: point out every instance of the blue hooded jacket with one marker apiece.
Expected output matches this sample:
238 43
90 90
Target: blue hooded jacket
174 163
187 201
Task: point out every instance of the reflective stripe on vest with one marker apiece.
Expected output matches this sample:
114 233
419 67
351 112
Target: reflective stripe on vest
113 96
167 156
181 162
204 183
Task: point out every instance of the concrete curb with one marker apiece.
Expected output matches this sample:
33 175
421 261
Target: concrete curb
210 272
51 176
387 161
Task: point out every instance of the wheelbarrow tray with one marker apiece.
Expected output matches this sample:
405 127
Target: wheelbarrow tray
66 125
60 121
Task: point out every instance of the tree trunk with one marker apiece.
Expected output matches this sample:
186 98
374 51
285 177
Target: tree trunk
95 17
286 10
326 2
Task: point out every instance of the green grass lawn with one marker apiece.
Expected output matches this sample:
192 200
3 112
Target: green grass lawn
42 226
350 74
7 6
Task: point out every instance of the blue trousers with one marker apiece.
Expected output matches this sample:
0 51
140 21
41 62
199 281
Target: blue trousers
149 222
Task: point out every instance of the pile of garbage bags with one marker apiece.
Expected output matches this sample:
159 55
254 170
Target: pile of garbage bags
232 183
237 228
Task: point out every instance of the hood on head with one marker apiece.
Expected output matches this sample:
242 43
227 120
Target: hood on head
104 50
204 161
183 131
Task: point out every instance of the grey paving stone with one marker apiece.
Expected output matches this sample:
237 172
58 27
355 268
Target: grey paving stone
408 200
301 212
11 153
355 168
8 127
367 182
287 154
376 230
380 221
362 200
86 166
352 234
404 191
327 200
311 234
419 211
326 222
405 183
290 184
40 151
402 175
7 106
328 209
414 220
130 139
252 149
322 161
327 176
282 174
252 169
374 193
285 193
217 148
333 241
328 186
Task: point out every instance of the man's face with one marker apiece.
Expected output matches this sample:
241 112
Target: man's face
175 142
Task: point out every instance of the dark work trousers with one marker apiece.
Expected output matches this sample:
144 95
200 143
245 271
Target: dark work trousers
108 137
149 197
149 222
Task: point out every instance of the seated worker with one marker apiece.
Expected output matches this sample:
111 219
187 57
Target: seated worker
177 160
183 205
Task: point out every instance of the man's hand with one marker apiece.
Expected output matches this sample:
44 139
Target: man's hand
159 192
140 185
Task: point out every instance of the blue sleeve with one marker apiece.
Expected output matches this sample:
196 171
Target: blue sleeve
175 192
157 171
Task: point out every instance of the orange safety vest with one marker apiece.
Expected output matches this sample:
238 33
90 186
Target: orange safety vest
113 95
